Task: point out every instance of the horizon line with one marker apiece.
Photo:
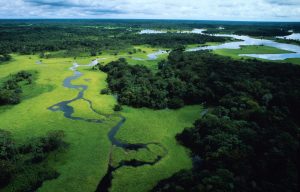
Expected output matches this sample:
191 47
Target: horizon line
229 20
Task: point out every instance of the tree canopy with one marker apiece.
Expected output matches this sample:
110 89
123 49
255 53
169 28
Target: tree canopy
247 141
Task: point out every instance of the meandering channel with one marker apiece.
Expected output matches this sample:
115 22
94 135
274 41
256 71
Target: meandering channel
68 111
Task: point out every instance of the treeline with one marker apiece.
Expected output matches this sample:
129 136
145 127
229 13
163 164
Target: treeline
29 40
138 86
79 39
249 141
11 88
273 32
289 41
24 166
93 38
173 40
256 30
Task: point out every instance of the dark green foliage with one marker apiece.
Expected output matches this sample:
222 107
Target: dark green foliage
37 39
173 40
104 91
53 141
92 36
7 146
93 53
267 32
289 41
39 147
258 29
250 140
6 172
118 108
175 103
4 57
76 40
33 177
25 165
135 85
7 154
10 90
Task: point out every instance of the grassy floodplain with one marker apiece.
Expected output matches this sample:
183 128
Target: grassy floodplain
85 161
254 49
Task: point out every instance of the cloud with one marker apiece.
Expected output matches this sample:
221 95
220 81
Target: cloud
272 10
54 3
284 2
95 11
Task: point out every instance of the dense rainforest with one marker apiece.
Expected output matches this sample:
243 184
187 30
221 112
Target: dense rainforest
76 40
25 165
11 87
95 36
249 138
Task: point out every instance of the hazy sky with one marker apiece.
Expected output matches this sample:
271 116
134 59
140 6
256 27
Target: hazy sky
269 10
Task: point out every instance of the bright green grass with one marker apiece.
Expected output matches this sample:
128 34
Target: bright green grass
152 64
145 50
29 90
143 155
144 125
85 161
96 82
294 61
82 109
251 49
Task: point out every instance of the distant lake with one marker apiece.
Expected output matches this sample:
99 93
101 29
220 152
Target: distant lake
150 31
243 40
294 36
246 40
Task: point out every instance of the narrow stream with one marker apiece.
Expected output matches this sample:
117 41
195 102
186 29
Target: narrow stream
68 111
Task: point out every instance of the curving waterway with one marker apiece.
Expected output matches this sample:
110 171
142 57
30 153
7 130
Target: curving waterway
64 106
68 111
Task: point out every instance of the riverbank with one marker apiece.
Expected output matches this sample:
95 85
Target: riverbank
85 162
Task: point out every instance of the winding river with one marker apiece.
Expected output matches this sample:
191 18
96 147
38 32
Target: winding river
68 111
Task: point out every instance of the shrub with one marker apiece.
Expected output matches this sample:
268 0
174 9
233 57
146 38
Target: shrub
118 107
53 141
175 103
7 145
6 172
104 91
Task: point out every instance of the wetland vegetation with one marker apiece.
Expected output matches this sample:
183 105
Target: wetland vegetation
93 105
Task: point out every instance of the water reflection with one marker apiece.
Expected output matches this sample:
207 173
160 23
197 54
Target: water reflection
243 40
